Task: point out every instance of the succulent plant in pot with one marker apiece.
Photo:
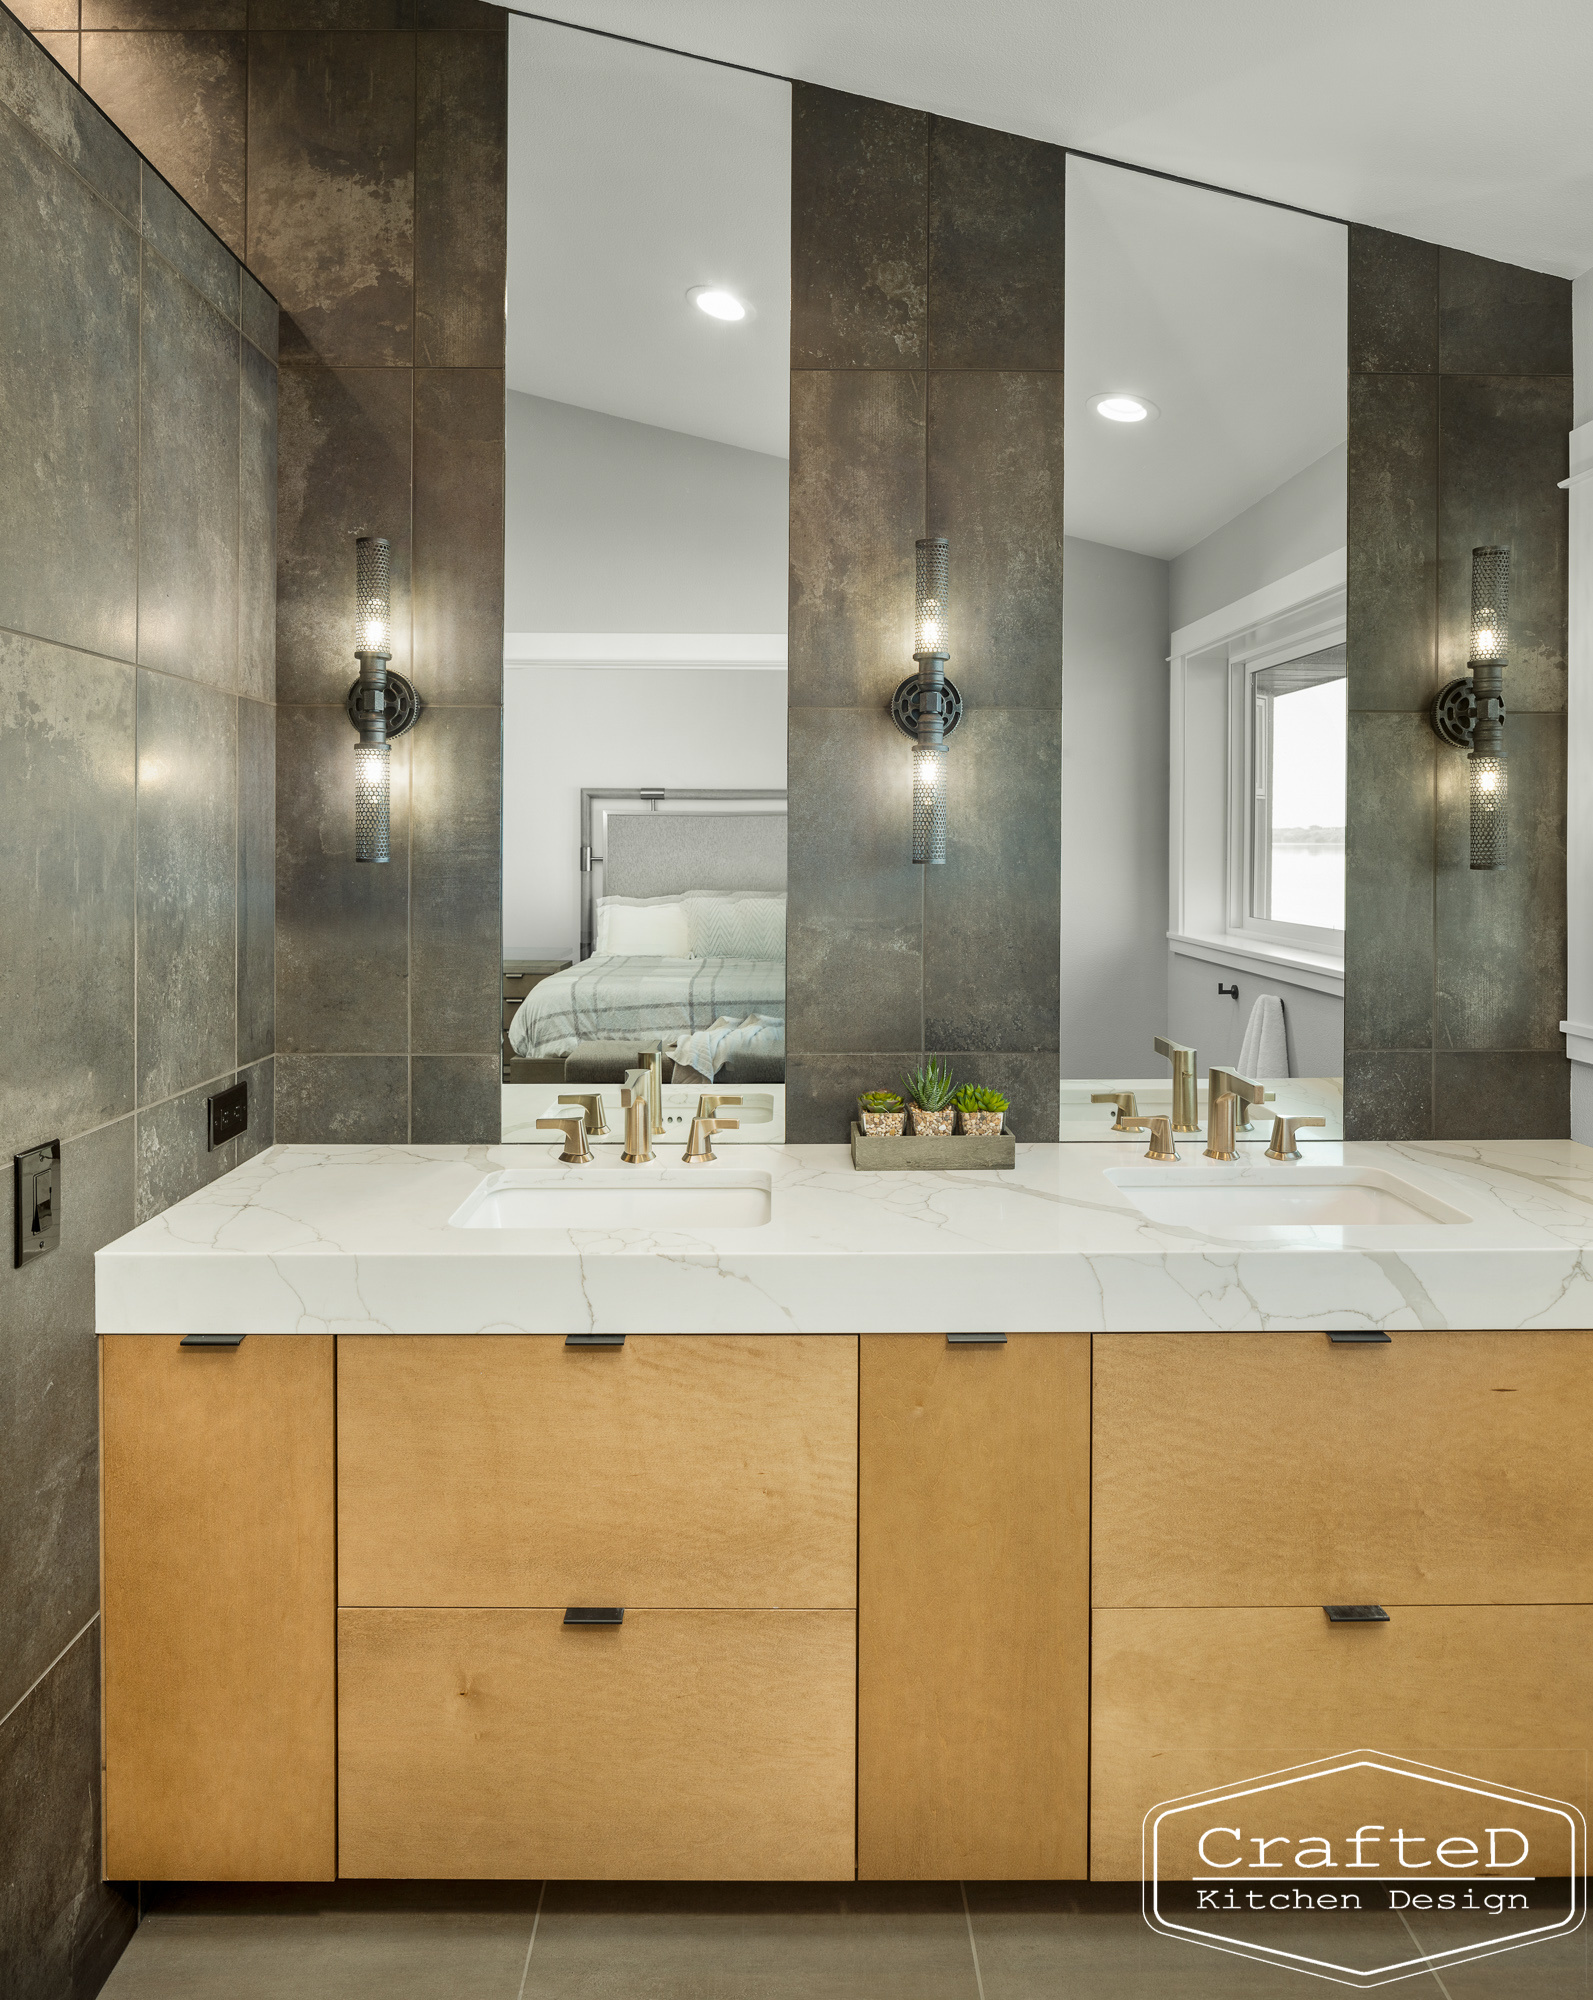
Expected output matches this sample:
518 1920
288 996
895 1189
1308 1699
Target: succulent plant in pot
979 1111
881 1113
928 1093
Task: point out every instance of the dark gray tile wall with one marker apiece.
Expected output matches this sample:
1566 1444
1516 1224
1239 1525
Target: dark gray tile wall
1459 404
137 806
926 398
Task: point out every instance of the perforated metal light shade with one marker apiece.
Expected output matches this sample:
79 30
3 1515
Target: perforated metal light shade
373 621
372 795
929 804
931 609
1490 604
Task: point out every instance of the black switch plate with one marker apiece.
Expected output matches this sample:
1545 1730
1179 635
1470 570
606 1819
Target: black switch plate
37 1175
229 1114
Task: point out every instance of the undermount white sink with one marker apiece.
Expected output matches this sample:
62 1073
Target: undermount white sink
617 1198
1284 1197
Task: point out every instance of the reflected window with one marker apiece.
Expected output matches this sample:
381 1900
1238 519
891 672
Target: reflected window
1296 776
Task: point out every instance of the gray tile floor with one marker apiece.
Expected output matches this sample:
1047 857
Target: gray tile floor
729 1941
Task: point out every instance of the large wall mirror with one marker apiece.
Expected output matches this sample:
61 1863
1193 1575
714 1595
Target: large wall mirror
644 831
1203 719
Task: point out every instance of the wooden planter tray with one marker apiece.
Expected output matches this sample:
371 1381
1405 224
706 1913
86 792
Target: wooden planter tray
958 1154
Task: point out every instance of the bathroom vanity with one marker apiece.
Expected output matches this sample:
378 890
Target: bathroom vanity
954 1520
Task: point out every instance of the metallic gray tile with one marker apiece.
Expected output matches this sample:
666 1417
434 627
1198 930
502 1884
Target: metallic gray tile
187 884
1393 303
332 164
257 528
996 265
1393 540
257 840
188 484
68 407
43 15
1027 1079
173 1158
995 491
461 189
66 121
61 1928
456 892
343 449
1388 930
49 1389
342 944
1502 453
175 232
259 316
472 17
458 529
1501 1094
66 892
822 1089
456 1100
342 1100
181 97
857 507
260 1080
64 48
859 231
992 914
1500 319
1388 1093
169 14
372 16
1502 935
854 920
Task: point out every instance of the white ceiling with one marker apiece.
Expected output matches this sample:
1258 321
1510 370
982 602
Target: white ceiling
1229 317
1460 121
633 176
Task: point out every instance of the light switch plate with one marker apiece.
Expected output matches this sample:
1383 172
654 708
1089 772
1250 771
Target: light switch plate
37 1175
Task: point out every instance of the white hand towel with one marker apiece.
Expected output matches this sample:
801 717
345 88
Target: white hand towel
1265 1050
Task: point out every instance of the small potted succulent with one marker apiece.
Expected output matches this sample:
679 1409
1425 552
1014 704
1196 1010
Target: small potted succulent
882 1114
929 1099
979 1111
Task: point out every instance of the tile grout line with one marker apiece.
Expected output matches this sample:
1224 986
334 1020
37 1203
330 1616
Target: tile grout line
50 1669
525 1970
967 1914
1432 1969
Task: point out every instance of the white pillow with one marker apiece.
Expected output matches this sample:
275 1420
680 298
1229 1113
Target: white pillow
641 927
741 923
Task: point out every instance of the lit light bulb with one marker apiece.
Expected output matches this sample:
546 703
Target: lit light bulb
1121 409
372 599
716 303
1485 642
1487 781
372 793
929 803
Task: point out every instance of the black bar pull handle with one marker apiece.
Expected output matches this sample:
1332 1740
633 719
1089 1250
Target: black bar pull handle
594 1340
212 1340
595 1614
1360 1340
976 1340
1356 1614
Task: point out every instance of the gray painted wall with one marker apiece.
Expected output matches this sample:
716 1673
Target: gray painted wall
613 526
1299 522
138 403
1582 344
1114 811
1199 1015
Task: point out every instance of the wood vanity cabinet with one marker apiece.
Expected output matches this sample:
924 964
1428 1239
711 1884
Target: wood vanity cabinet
217 1553
973 1662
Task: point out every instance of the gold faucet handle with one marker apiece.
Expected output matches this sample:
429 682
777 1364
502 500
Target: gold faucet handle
1164 1047
634 1096
1282 1146
1161 1145
708 1104
700 1146
576 1151
591 1102
1127 1107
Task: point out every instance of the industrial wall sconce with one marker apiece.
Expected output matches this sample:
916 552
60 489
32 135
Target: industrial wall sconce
381 704
1470 713
927 706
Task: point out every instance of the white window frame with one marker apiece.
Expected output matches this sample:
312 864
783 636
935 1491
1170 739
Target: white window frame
1211 661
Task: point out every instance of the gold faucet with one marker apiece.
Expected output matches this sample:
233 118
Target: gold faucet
1219 1127
1161 1145
1247 1094
591 1102
1127 1109
635 1097
1186 1100
576 1151
700 1146
652 1062
1283 1131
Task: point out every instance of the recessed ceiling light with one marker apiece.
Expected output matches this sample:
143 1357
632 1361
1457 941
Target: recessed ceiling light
718 304
1121 409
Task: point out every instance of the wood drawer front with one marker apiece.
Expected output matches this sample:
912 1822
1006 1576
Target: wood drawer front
1278 1468
219 1690
677 1470
705 1745
1184 1700
973 1666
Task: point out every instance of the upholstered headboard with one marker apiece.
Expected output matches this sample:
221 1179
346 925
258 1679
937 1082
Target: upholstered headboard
655 854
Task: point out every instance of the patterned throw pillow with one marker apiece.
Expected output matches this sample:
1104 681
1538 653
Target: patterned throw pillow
737 924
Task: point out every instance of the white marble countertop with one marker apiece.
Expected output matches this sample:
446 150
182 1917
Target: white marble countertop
351 1240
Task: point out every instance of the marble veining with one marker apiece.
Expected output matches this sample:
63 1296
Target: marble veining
356 1239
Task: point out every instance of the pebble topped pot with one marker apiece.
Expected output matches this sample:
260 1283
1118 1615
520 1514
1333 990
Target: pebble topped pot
981 1124
931 1124
881 1124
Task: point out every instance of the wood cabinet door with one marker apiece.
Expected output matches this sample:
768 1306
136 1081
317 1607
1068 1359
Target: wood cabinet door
219 1612
677 1470
973 1622
681 1745
1188 1699
1280 1468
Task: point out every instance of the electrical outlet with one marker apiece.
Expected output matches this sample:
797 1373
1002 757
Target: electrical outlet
229 1114
38 1201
